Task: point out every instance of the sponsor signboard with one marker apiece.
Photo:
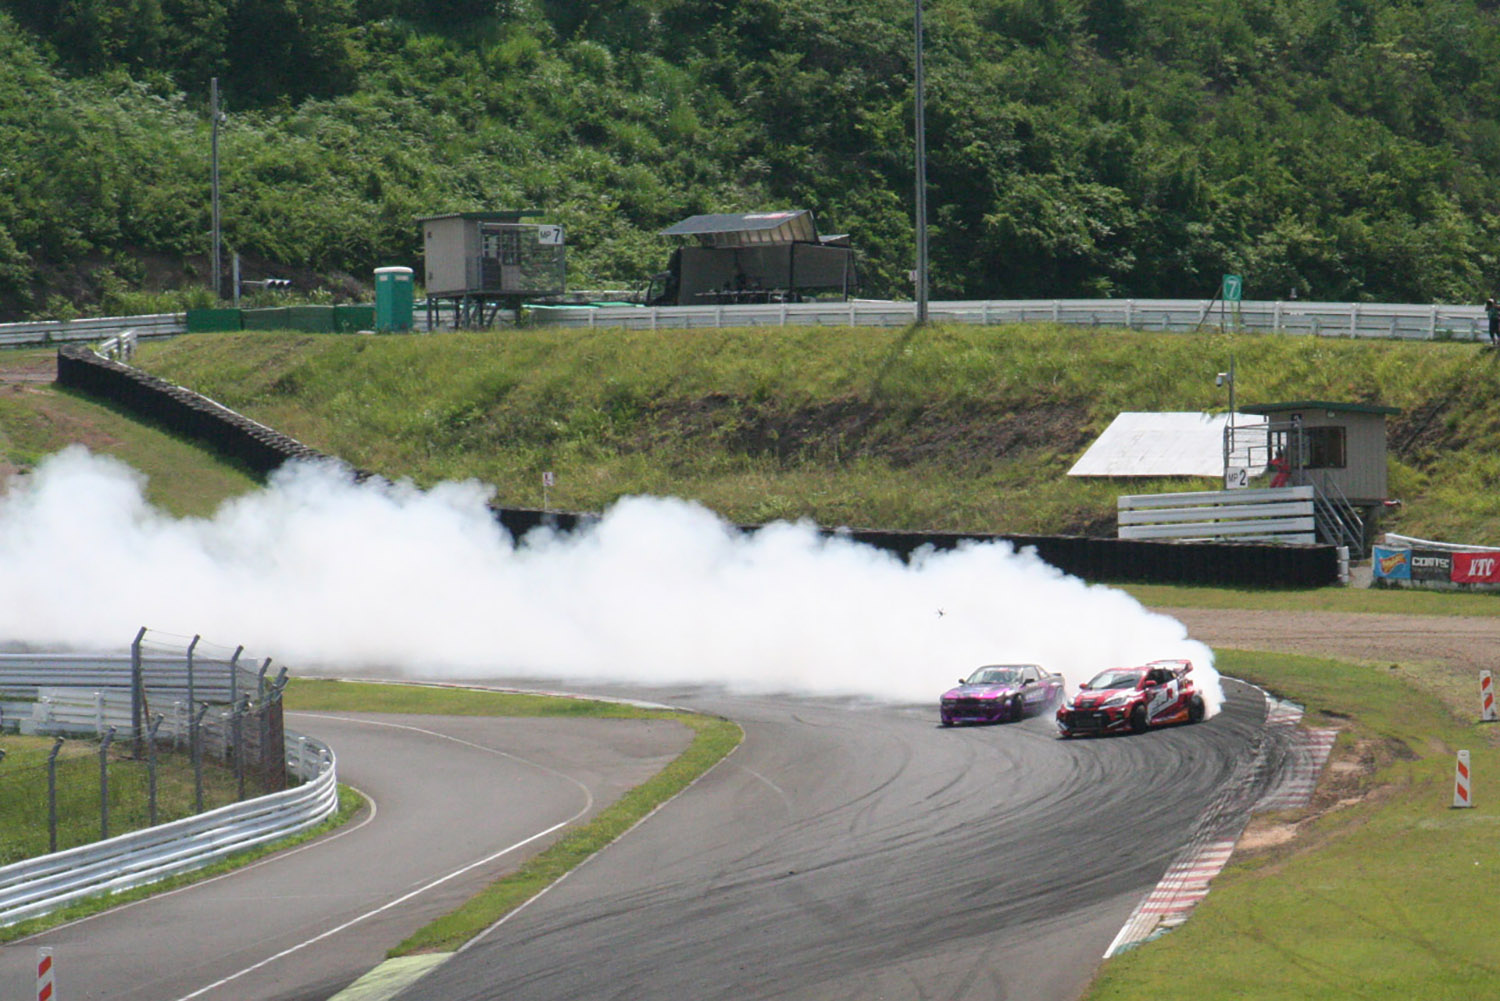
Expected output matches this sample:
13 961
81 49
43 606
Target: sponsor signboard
1431 564
1476 568
1392 564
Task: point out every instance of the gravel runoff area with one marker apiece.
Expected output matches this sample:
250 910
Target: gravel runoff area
1443 654
1456 642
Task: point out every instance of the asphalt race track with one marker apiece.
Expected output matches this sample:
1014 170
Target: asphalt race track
861 852
843 851
450 792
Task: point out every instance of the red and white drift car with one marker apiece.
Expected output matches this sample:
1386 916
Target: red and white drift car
1133 698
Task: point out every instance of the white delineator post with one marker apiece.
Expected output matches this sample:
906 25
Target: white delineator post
44 975
1461 781
1486 697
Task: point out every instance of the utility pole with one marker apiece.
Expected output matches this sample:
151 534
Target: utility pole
921 131
216 117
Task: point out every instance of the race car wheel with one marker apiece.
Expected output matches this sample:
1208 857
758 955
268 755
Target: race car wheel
1017 708
1138 719
1195 709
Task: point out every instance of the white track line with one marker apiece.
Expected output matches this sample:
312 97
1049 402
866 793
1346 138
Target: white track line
588 805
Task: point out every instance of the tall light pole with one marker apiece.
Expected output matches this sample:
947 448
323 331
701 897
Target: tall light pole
921 131
217 118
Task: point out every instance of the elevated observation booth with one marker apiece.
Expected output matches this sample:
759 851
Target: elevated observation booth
479 263
1338 449
755 257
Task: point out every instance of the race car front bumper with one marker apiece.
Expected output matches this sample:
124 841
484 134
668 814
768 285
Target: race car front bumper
1077 722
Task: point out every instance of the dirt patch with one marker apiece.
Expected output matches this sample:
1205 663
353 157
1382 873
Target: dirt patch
18 370
1428 430
1439 654
850 429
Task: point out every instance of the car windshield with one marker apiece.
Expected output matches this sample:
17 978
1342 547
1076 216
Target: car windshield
994 676
1115 679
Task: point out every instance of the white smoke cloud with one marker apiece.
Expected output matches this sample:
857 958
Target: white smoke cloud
318 570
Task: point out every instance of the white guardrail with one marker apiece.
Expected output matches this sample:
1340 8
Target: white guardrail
40 885
1325 319
90 330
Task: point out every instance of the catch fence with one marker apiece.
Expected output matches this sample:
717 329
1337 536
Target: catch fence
174 726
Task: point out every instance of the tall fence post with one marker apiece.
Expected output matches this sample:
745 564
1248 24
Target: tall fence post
104 784
197 753
237 717
137 691
263 730
52 795
191 699
151 767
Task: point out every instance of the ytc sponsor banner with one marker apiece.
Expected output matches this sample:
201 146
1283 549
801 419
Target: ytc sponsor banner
1476 568
1431 564
1393 564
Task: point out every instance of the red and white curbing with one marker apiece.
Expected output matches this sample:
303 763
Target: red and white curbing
1486 697
1461 792
1186 883
1187 879
1308 751
44 975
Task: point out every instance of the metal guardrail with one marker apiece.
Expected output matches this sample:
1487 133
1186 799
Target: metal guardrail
24 673
38 886
93 329
1399 321
1326 319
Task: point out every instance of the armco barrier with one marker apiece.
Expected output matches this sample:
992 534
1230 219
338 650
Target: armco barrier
39 886
180 410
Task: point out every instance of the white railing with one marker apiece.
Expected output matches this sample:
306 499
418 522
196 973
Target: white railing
38 886
1324 319
92 329
1281 514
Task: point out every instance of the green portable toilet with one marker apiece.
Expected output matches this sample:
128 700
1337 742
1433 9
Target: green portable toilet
393 299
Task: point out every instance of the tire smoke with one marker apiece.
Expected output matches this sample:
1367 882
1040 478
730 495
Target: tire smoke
329 574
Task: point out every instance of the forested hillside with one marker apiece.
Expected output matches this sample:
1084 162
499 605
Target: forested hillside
1347 149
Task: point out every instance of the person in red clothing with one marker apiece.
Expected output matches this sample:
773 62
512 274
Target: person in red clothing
1282 469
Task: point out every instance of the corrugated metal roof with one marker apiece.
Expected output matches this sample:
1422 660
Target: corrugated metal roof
752 228
1163 444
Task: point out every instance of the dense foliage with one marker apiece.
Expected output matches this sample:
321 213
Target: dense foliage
1347 149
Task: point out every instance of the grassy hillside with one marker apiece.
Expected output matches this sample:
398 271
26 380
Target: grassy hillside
946 427
37 419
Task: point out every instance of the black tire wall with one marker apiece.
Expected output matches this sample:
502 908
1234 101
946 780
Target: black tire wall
259 448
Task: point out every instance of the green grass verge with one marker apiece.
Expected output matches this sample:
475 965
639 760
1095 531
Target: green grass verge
24 809
315 694
1385 892
713 738
350 803
183 478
